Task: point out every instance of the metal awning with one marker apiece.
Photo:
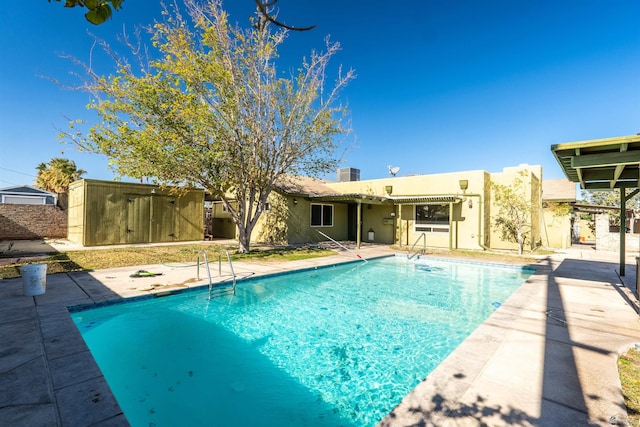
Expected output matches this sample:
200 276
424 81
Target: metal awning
398 200
601 164
425 200
350 197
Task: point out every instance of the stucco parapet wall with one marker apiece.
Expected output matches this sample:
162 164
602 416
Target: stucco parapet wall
433 184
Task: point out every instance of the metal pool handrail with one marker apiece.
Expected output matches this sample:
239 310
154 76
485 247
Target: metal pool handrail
423 236
206 262
233 274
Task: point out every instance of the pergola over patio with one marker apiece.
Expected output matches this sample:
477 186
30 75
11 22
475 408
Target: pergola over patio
604 164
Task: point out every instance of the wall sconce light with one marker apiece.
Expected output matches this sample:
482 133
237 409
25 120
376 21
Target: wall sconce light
393 214
464 184
295 201
388 189
153 191
470 203
368 206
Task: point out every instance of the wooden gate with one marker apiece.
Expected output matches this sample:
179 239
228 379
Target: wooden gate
138 214
163 219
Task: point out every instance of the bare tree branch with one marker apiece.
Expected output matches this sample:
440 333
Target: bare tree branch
263 9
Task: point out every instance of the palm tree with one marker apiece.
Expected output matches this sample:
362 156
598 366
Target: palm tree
56 176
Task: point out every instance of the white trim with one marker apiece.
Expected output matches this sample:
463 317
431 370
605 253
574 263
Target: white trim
431 228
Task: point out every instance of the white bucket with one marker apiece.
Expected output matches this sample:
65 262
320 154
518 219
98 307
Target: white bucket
34 279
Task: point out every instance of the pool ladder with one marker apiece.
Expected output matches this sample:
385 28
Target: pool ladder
411 252
222 287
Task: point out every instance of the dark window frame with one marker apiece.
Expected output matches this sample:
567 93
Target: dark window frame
431 218
323 217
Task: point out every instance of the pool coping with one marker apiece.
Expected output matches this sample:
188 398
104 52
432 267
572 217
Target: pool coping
200 288
48 376
544 357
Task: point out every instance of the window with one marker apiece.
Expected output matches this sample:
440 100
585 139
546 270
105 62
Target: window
432 218
321 215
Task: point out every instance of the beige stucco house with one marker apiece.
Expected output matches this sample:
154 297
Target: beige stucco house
558 198
449 210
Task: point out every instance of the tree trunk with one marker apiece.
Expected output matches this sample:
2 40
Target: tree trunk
520 242
244 239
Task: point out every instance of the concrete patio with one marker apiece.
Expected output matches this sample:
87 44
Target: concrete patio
546 357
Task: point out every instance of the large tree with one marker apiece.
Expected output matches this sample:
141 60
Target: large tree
513 218
212 110
99 11
610 198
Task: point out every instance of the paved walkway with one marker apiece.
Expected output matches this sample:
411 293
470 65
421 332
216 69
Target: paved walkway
546 357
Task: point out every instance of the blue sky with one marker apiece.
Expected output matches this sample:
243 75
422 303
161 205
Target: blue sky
442 86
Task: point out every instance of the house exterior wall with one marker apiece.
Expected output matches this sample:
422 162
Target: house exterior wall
222 226
299 222
584 232
472 219
25 222
289 221
388 208
273 225
468 223
531 177
556 226
105 213
379 219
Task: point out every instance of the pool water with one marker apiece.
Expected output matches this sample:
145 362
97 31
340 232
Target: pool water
337 346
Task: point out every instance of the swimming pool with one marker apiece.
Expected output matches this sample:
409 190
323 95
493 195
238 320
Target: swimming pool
338 346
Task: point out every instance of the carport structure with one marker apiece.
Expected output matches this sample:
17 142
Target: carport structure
604 164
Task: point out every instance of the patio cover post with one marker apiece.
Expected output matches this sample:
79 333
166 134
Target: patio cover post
400 226
623 225
623 228
450 224
358 224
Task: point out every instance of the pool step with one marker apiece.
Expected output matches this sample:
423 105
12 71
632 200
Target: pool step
221 290
206 264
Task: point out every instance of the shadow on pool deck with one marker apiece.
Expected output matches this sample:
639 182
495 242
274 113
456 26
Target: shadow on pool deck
547 356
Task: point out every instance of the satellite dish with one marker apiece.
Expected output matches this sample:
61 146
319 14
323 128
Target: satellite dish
393 170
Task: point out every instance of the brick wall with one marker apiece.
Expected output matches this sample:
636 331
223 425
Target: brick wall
23 222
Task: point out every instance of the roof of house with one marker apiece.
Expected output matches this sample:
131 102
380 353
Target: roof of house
558 190
316 189
25 190
304 185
